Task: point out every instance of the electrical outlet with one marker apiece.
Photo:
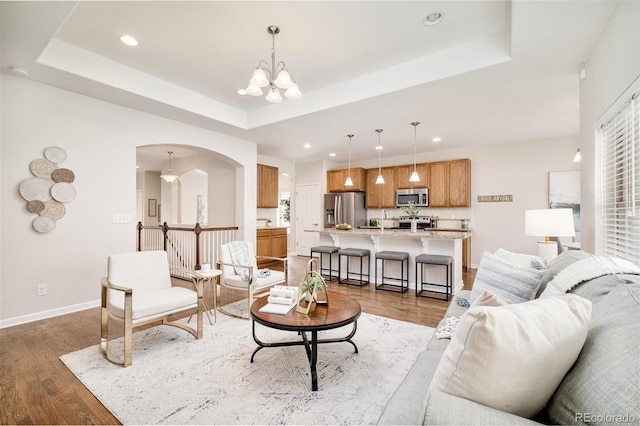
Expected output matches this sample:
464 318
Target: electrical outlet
42 289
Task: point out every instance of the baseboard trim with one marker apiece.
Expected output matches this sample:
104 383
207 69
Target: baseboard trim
24 319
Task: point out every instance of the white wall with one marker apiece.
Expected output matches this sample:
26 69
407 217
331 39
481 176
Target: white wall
612 66
100 140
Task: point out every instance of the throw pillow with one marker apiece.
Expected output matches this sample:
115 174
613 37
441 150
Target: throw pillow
513 357
510 282
521 259
488 299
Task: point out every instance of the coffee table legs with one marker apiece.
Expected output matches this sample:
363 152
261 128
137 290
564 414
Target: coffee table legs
311 347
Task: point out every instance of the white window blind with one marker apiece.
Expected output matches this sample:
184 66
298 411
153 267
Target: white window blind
620 136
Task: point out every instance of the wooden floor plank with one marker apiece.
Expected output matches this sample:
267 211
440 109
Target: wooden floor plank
37 388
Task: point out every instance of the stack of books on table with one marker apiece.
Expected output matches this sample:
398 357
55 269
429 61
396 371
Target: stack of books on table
281 299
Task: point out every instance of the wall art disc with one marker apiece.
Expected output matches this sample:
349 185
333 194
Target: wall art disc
63 175
35 206
55 154
44 224
36 189
63 192
54 210
42 167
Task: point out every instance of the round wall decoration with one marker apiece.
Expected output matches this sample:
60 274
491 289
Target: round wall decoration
55 154
35 188
42 167
44 224
50 187
35 206
63 192
63 175
54 210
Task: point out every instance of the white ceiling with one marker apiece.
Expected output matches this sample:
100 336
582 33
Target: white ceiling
490 72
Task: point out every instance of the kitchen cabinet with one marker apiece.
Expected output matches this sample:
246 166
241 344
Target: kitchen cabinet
403 174
439 184
271 242
383 195
460 183
450 183
336 178
267 190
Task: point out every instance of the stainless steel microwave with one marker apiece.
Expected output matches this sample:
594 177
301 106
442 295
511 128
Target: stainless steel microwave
420 196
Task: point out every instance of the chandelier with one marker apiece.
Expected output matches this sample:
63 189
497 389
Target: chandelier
170 177
275 76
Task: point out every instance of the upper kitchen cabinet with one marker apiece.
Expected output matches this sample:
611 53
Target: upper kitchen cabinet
404 173
383 195
460 183
450 183
336 178
267 186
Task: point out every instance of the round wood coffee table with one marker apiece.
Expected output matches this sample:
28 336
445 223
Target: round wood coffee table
342 310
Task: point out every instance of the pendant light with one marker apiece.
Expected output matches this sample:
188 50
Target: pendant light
414 176
380 179
169 177
578 157
349 181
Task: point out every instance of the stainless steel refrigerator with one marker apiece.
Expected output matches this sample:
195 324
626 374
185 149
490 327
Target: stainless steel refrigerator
344 207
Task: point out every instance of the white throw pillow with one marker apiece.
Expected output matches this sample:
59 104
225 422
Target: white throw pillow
513 357
488 299
510 282
520 259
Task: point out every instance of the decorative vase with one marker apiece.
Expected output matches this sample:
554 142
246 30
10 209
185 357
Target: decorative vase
414 225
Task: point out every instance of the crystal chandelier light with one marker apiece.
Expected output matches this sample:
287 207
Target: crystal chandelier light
380 178
349 181
275 76
414 176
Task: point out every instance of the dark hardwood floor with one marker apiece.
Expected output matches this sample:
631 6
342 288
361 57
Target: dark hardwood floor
37 388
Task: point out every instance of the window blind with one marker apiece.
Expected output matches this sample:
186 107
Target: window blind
620 136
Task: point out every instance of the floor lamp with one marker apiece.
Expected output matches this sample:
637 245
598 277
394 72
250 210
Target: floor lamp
549 223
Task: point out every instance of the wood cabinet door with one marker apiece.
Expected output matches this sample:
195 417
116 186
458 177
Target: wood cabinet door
388 188
439 184
403 174
460 183
279 243
359 177
263 242
373 191
335 181
267 188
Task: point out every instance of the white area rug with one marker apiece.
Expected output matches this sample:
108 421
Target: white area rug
176 379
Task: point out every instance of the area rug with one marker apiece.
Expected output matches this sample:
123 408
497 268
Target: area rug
176 379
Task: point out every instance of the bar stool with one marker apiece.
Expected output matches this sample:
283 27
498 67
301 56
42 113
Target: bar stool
434 259
349 253
330 250
396 256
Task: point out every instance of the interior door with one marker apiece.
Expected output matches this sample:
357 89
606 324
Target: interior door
308 213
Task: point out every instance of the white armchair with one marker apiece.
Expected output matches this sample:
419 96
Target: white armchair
138 291
243 274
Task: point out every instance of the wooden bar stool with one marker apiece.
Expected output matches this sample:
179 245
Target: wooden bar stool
395 256
330 250
432 291
349 253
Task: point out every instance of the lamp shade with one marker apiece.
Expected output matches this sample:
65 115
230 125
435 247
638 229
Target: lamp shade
549 223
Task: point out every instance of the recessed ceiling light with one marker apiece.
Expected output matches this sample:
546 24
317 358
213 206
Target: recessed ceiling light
332 154
307 145
436 139
433 18
128 40
378 147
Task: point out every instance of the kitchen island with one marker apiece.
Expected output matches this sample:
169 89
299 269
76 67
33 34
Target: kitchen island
430 241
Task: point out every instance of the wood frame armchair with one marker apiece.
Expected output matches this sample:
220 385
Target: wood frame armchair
138 291
254 285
